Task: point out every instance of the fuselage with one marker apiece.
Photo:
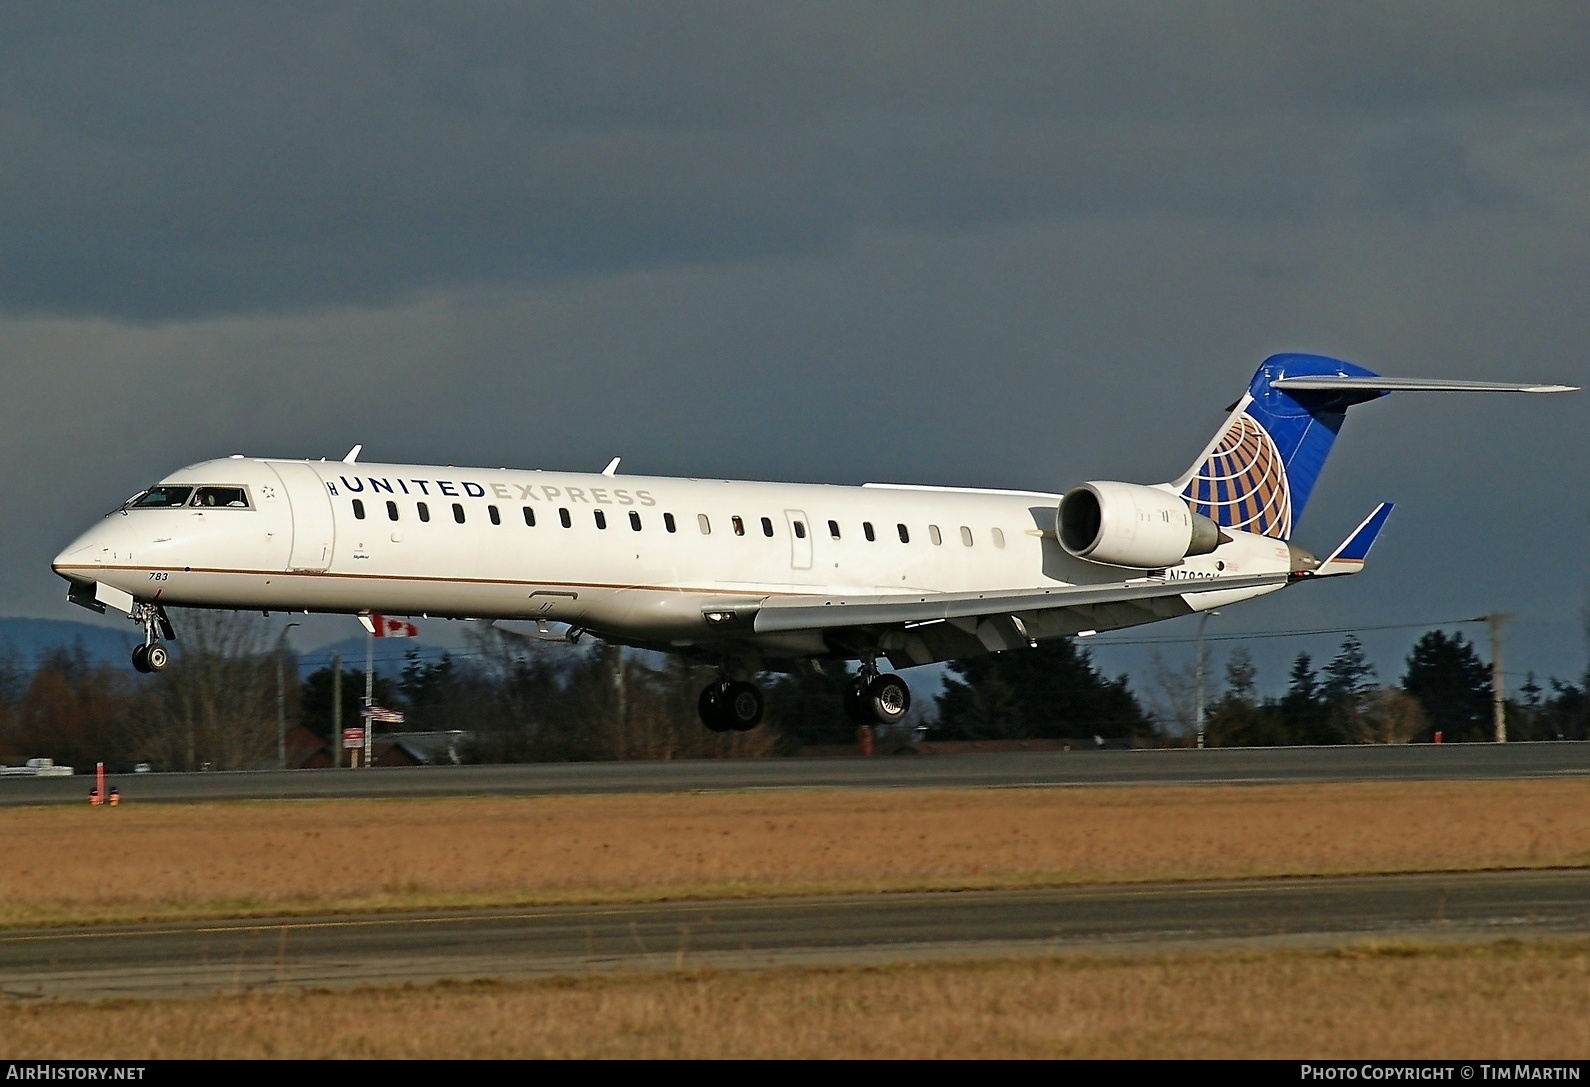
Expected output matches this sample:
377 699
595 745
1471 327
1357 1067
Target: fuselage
635 559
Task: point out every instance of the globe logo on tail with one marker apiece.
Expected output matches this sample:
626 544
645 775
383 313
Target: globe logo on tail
1242 482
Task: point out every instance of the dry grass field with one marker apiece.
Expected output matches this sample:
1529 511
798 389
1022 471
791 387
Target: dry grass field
243 859
1412 1002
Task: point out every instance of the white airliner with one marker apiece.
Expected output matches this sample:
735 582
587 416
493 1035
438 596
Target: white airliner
751 576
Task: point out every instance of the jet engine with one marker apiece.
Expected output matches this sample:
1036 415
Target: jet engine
1127 524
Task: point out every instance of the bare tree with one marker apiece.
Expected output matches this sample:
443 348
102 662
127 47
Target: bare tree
215 706
1174 703
1387 715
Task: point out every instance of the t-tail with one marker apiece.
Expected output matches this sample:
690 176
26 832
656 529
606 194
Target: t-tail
1257 473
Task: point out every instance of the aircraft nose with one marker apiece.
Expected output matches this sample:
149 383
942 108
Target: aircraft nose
75 561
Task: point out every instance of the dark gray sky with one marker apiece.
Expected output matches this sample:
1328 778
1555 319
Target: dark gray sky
971 244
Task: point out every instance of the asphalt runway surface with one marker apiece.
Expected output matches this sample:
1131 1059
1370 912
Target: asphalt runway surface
1275 765
199 958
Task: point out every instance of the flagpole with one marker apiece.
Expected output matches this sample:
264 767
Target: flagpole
369 692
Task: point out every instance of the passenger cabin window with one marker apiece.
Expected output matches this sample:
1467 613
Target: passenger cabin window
866 530
496 518
563 516
999 537
933 534
668 523
704 524
391 511
905 533
833 529
529 517
767 526
634 520
601 519
358 509
229 498
800 530
161 497
423 510
458 513
966 536
739 525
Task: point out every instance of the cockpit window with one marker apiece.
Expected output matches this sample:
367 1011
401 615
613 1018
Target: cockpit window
161 497
231 498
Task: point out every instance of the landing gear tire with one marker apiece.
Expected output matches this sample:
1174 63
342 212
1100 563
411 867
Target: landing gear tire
742 707
140 658
888 699
710 707
156 657
730 707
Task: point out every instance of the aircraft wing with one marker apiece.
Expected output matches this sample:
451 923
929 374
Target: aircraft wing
832 612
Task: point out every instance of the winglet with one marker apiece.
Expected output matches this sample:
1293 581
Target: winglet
353 455
1349 556
612 467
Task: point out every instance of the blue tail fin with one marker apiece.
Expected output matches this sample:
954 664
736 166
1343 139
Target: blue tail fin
1257 473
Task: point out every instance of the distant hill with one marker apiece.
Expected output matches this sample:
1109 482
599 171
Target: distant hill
29 638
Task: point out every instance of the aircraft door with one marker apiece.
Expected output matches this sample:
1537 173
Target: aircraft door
314 531
800 540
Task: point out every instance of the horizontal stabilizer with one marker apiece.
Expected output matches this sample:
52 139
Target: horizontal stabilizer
1348 558
1332 383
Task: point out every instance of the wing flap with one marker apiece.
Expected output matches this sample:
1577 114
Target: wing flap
825 613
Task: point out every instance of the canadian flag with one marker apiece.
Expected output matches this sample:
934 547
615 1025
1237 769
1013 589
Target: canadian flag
382 627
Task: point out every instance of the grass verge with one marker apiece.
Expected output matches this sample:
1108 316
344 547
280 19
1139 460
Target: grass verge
1406 1000
168 862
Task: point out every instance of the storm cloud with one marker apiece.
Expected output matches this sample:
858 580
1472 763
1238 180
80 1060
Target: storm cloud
187 160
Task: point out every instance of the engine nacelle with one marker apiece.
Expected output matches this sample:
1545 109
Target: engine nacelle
1127 524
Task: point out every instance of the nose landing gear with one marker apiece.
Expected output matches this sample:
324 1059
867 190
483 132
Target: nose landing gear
152 656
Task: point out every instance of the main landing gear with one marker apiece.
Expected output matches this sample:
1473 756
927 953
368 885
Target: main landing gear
730 706
874 699
152 656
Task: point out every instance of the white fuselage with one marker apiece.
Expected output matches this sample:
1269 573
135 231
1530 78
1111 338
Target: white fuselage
635 559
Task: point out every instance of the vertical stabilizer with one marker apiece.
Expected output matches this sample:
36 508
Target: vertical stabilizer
1258 472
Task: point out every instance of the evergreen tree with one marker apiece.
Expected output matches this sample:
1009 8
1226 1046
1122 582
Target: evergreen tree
1345 695
1239 719
1303 707
1052 691
1242 678
1349 674
316 701
1453 686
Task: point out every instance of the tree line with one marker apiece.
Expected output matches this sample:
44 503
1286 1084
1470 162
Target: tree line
216 706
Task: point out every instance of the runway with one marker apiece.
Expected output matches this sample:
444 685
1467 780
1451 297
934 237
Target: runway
1413 762
206 957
